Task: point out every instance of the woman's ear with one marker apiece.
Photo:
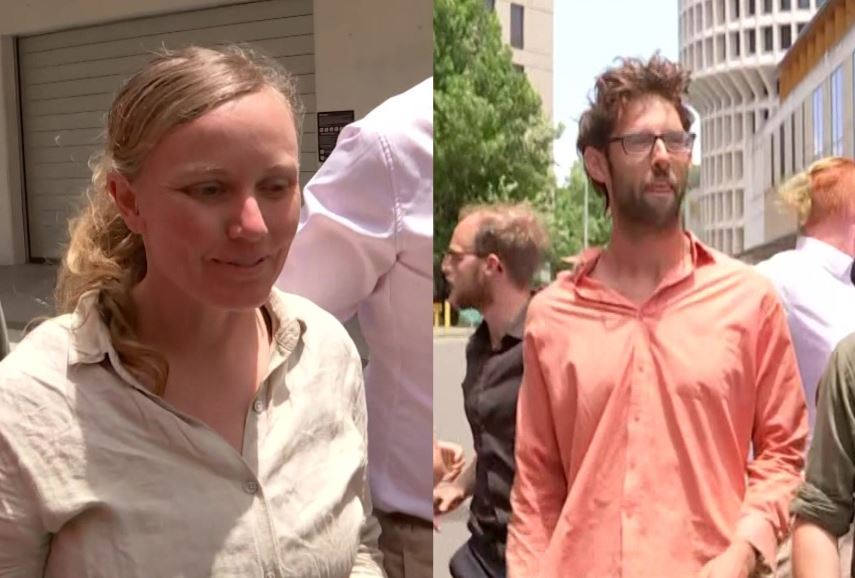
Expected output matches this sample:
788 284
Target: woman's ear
125 197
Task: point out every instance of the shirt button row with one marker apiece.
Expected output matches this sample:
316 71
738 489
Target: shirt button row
250 487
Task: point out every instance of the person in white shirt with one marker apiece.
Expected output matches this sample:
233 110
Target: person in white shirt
814 280
366 233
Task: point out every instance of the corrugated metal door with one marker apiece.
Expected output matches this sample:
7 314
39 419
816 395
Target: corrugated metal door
69 78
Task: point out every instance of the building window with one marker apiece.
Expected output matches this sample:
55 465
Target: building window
720 8
708 21
767 6
752 7
490 5
804 4
734 12
799 27
837 112
818 127
786 5
782 156
734 45
768 39
516 26
720 48
793 143
751 41
786 36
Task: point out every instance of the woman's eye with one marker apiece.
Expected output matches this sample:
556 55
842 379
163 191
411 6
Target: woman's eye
276 188
205 190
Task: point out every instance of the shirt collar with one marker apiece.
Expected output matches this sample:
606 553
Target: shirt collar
517 326
515 331
831 258
701 255
91 343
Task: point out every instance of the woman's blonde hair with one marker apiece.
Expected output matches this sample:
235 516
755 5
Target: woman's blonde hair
175 87
823 190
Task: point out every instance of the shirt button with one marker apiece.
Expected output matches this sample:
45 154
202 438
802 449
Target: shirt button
258 406
250 487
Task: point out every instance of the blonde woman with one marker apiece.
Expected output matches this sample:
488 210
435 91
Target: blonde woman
180 417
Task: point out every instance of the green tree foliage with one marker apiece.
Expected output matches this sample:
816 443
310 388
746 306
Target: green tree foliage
567 218
491 139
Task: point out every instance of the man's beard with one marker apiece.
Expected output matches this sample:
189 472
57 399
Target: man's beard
473 294
641 209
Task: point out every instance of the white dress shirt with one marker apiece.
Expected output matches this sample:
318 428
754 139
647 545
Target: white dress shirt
365 246
813 283
99 477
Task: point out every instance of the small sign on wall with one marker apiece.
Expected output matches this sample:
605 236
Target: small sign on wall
329 127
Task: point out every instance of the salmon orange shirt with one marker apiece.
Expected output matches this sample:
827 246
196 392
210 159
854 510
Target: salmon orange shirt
636 426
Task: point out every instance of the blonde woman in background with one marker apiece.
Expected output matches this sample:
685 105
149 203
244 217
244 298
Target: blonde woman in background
181 417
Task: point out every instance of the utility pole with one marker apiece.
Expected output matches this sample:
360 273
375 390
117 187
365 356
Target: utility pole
585 218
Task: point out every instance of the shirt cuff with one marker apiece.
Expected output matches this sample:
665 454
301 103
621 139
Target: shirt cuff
758 531
815 506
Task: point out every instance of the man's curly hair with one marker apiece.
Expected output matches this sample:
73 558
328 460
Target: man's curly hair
630 79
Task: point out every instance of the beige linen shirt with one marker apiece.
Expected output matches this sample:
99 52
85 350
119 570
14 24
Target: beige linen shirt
98 477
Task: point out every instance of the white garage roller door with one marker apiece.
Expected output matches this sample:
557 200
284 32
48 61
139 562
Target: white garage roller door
68 80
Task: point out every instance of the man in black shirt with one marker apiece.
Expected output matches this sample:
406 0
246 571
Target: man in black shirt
490 262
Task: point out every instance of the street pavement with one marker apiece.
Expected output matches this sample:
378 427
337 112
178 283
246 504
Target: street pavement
26 292
449 421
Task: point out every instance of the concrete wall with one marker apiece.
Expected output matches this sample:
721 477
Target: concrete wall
365 52
369 50
536 56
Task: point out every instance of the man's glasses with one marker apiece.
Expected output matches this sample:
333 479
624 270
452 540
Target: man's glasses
642 143
455 256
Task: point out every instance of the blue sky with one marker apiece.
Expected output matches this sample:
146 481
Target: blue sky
588 36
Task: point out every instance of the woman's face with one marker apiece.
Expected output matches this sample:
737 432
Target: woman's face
218 202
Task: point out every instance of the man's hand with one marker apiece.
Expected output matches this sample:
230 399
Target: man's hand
738 561
452 460
447 497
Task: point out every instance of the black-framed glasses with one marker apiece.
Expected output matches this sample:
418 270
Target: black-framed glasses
642 143
455 256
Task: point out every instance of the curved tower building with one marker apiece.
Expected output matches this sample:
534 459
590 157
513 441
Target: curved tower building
732 48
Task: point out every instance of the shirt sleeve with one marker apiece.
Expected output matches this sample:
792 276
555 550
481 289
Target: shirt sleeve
825 498
24 541
779 437
369 560
348 225
540 486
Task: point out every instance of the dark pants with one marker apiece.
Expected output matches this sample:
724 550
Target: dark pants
467 564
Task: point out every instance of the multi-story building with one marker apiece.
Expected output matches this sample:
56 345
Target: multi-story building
815 119
527 29
732 48
62 62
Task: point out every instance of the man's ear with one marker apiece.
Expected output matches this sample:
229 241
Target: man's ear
598 166
494 264
125 198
